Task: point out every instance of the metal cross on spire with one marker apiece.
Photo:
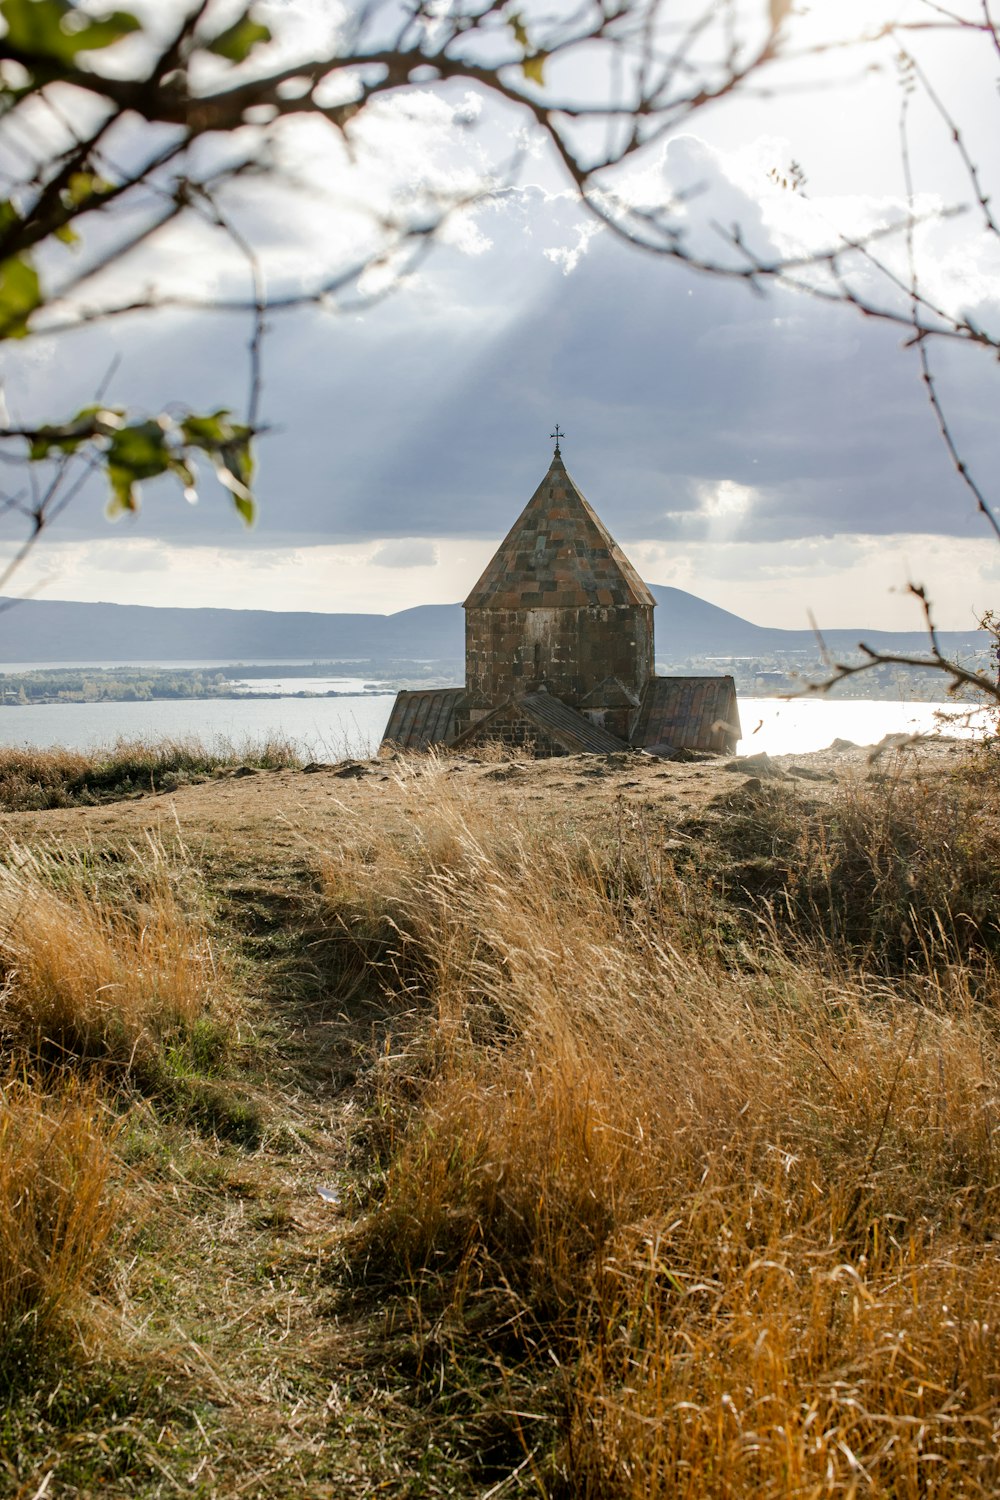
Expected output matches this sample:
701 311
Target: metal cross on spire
558 437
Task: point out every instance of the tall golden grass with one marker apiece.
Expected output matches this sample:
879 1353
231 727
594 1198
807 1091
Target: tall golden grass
33 778
741 1192
903 871
55 1214
108 977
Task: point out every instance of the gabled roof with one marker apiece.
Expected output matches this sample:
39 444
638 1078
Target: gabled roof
558 554
555 720
610 694
423 718
690 713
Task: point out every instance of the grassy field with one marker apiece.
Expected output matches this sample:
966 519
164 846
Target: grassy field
33 779
655 1109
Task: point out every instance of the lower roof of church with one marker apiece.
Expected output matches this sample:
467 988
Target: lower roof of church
683 713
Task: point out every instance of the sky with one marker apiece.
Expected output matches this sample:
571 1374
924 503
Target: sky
774 454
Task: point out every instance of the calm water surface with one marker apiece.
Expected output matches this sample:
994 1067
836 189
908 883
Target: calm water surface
323 728
331 728
797 726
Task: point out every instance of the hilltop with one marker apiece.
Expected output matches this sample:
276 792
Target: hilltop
647 1099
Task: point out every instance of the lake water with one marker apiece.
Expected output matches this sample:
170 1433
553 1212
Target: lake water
287 687
322 728
333 728
798 725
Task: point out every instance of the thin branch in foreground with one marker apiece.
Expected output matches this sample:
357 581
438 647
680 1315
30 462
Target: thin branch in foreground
960 677
930 385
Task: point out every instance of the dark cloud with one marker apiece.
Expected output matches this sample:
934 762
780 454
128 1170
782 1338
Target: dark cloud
429 414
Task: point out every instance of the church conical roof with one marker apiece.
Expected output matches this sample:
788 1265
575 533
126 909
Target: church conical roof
558 554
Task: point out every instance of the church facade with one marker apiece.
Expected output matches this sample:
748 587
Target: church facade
559 650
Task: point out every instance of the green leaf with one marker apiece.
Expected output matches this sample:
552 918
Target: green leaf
83 186
533 65
228 444
20 295
238 456
51 440
101 420
516 23
234 469
247 508
89 423
141 449
208 432
184 472
67 235
147 449
136 452
59 29
124 496
238 41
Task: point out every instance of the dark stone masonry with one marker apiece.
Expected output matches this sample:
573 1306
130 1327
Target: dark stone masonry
559 650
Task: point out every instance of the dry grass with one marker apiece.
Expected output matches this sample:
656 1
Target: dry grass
55 1215
900 872
108 984
112 977
32 779
110 987
741 1199
664 1190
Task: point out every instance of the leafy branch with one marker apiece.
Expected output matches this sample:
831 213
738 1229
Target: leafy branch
134 451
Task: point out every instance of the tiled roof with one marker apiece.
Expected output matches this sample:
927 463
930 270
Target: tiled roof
558 554
555 719
568 727
610 694
692 713
423 718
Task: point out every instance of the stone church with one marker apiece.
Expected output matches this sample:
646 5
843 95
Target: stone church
559 651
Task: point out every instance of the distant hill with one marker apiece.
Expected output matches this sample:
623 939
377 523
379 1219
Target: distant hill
689 626
38 630
49 630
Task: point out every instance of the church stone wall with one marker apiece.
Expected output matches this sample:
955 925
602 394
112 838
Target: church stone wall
571 650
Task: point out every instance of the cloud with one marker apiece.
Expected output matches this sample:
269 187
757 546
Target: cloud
321 578
568 257
141 556
407 552
726 502
695 411
844 581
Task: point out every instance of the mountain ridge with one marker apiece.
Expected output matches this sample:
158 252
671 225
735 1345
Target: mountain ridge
37 631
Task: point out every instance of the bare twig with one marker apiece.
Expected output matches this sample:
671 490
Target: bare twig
935 661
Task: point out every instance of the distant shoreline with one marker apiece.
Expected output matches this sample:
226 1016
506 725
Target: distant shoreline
92 683
102 683
37 702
